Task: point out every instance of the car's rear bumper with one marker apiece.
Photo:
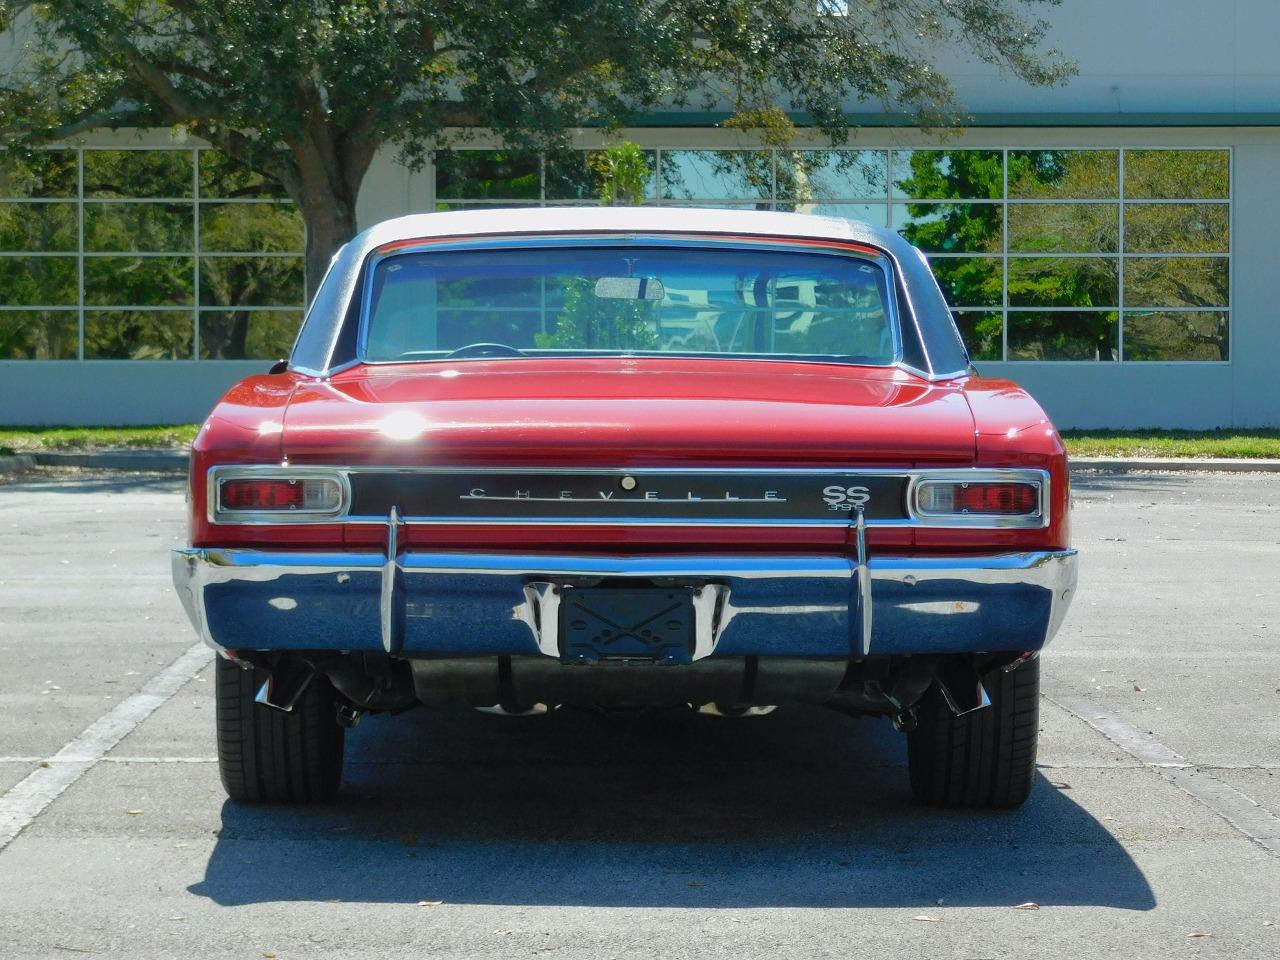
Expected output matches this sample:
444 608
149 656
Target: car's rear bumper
475 604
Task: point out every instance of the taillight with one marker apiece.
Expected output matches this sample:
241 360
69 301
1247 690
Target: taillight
1017 501
292 498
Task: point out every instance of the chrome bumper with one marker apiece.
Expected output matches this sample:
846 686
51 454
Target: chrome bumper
465 604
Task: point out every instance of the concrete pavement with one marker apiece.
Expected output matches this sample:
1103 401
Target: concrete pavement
791 835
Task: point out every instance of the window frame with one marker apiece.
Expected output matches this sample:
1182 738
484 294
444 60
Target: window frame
670 241
195 199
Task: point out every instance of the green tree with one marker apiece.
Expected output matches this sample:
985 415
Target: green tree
306 92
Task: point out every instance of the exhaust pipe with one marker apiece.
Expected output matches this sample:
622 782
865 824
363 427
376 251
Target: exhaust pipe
285 684
961 686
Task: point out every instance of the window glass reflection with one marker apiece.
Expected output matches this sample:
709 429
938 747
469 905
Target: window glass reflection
1176 174
1176 228
38 227
1064 174
1175 282
948 174
717 174
158 174
1064 282
139 334
817 176
981 332
39 335
1062 335
951 227
1064 227
488 175
247 334
138 227
969 281
1176 335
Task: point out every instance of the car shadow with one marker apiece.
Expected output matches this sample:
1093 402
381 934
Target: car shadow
94 481
802 808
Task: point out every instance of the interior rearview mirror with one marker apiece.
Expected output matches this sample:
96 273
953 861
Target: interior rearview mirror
629 288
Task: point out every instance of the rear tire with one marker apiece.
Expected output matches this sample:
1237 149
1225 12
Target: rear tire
986 758
266 755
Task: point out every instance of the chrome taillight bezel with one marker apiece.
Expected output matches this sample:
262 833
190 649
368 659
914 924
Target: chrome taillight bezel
218 476
1028 521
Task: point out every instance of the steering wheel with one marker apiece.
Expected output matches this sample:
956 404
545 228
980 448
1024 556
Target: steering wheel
485 350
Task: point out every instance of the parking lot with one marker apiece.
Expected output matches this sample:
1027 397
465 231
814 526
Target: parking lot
1152 830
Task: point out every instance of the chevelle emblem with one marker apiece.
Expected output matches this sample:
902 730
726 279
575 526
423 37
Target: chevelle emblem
846 498
649 496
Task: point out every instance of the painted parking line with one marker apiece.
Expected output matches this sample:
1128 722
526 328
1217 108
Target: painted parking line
1241 811
28 798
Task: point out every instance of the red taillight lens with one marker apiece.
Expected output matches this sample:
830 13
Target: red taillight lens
311 495
997 498
994 499
263 495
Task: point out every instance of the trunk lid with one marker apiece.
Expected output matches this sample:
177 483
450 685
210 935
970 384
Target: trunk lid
627 411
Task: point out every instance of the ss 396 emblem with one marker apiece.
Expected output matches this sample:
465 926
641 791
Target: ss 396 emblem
846 498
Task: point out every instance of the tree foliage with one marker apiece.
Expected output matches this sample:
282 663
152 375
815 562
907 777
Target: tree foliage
307 91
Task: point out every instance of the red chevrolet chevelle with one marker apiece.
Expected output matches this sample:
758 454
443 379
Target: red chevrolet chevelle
628 458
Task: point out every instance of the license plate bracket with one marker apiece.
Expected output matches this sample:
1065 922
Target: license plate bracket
623 623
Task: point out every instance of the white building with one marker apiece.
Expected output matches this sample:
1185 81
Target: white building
1109 243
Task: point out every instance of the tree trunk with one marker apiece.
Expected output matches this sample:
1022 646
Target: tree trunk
331 222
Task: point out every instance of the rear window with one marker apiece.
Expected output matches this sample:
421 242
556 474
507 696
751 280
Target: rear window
625 300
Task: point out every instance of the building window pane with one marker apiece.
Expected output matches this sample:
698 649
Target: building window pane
488 175
138 334
39 335
1064 227
1176 174
948 174
1176 228
138 173
38 281
251 228
1180 335
138 281
951 227
251 281
872 213
140 227
982 333
969 281
582 174
717 174
1064 282
1062 335
41 173
38 227
817 176
446 205
248 334
224 178
1175 281
1064 174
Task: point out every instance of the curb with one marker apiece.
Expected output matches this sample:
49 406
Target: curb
1174 464
16 463
142 459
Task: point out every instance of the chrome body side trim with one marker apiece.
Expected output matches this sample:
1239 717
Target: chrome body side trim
914 518
477 604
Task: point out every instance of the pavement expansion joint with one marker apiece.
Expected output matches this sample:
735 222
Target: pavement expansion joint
1240 810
